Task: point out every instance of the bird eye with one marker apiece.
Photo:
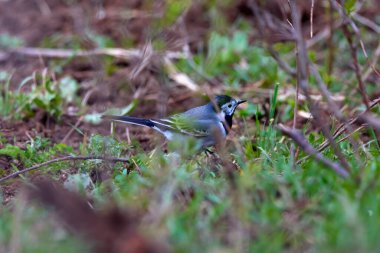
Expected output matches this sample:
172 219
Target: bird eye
229 106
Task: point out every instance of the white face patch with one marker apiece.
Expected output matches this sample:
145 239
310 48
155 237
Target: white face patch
229 108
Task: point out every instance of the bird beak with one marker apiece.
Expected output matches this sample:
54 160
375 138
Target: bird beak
241 101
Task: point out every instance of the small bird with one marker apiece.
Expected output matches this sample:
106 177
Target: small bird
205 123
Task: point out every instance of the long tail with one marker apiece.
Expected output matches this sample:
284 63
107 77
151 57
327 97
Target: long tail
130 120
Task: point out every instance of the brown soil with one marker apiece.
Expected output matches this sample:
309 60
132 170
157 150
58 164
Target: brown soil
40 19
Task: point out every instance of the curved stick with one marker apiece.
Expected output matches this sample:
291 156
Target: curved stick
60 159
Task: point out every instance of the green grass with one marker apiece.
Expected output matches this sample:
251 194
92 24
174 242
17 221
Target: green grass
233 60
269 205
36 92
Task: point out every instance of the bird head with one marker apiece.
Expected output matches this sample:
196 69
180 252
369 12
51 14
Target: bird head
227 105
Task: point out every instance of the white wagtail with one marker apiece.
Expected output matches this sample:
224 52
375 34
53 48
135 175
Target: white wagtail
205 123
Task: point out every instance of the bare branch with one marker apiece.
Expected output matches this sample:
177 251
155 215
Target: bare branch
281 63
358 74
126 54
308 148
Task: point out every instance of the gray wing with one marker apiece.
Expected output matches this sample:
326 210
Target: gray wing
198 122
203 127
201 112
190 126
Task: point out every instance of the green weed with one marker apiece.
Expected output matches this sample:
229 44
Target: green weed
235 61
45 94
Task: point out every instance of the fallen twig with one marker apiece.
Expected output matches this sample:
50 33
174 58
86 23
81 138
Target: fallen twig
61 159
308 148
68 53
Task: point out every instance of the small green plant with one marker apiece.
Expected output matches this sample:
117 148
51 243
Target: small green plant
235 61
45 94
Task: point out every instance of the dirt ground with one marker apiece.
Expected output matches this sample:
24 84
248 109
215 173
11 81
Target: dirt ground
38 20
